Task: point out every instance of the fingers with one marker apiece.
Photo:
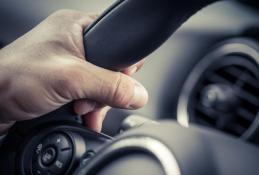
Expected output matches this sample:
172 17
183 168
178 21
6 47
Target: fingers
94 120
93 16
84 19
134 68
65 30
87 81
92 113
74 16
116 89
84 106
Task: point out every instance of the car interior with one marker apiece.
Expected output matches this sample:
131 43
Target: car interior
201 73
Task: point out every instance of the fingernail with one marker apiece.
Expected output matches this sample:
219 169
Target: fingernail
139 98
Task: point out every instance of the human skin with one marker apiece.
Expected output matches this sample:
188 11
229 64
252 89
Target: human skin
46 68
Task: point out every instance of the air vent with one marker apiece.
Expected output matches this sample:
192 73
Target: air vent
222 91
227 99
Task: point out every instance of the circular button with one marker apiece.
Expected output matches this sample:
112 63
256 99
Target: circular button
60 140
48 156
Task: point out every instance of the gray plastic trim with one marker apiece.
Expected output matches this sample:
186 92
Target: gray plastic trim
153 146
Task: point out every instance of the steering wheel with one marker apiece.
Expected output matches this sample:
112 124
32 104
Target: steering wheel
57 143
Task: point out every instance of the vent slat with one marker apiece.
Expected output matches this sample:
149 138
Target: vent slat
226 73
245 114
248 97
236 129
211 113
252 82
252 89
204 122
202 118
235 71
218 79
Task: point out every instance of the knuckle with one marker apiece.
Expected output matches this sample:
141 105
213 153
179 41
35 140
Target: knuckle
62 12
69 19
68 14
63 16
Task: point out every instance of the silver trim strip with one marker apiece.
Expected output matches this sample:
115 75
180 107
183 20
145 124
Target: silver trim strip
156 148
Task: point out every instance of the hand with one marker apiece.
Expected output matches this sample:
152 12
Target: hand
46 68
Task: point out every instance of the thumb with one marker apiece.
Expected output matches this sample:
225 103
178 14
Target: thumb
115 89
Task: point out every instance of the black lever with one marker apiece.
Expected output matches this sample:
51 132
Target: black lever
132 29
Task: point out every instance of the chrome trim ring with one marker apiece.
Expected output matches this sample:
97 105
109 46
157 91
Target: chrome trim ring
142 143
